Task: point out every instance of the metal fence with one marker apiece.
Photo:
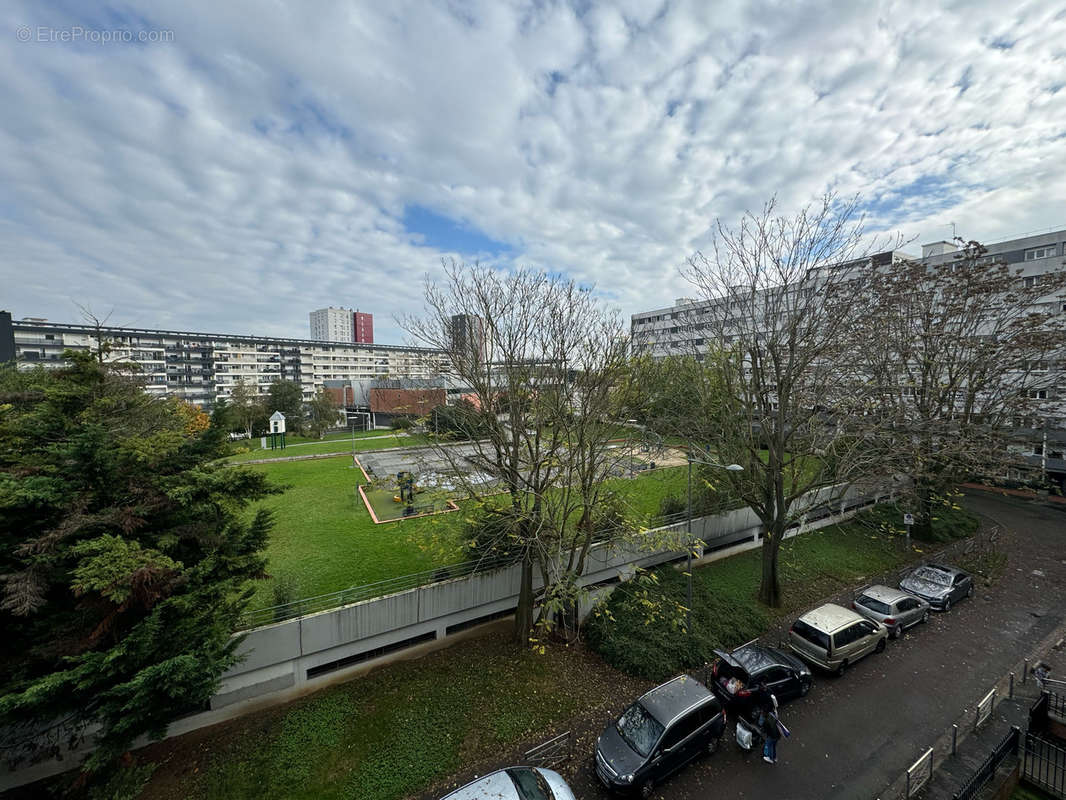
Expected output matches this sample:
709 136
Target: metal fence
1044 765
984 709
1007 746
919 773
552 752
366 591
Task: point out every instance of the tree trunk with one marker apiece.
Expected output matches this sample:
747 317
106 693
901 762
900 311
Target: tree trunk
523 617
770 589
923 528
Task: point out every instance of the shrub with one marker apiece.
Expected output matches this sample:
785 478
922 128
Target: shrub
640 628
950 521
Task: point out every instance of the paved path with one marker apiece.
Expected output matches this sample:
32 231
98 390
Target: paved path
853 737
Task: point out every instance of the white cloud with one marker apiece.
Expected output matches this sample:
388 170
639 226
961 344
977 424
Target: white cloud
258 165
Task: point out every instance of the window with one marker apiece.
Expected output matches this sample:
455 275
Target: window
683 728
1031 281
811 634
845 637
1037 394
872 604
1040 252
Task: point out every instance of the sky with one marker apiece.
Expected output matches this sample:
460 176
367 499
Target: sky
231 166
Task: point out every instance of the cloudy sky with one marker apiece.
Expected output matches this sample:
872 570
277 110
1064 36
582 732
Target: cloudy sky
229 166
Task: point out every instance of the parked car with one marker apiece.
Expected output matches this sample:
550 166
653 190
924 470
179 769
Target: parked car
515 783
736 674
894 609
833 637
938 584
659 734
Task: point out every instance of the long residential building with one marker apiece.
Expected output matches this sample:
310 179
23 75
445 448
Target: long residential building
203 367
679 330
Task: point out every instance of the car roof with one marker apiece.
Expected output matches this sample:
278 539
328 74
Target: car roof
885 594
494 785
830 617
668 701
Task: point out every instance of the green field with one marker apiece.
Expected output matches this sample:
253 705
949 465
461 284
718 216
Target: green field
374 440
324 539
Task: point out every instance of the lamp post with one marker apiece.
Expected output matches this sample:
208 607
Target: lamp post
691 461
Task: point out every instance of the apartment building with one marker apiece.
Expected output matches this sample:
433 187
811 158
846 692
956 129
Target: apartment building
677 330
342 325
202 367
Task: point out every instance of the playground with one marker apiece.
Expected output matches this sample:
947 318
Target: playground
416 482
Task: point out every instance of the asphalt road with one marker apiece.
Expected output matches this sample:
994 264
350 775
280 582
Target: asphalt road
853 736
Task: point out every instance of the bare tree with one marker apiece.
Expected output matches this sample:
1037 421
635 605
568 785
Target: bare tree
535 356
776 315
958 354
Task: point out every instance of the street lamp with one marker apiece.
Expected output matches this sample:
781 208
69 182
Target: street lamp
691 461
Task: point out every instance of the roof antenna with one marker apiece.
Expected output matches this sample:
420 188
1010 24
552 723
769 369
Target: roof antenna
954 235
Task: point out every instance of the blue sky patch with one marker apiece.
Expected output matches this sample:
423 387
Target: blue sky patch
444 233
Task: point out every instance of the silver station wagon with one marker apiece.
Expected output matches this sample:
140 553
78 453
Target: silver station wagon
894 609
516 783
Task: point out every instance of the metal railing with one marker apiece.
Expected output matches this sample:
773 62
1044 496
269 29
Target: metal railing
983 774
984 709
919 773
1044 765
367 591
552 752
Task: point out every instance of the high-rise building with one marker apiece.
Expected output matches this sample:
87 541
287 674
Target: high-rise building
333 325
363 326
468 336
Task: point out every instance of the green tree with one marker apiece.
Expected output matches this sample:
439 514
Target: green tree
244 407
287 397
322 413
125 558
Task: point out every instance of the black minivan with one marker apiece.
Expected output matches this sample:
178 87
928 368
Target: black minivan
659 734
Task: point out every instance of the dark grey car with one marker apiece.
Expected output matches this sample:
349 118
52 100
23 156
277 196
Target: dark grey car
893 608
938 584
659 734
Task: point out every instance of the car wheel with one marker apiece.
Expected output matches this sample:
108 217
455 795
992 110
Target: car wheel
925 616
842 668
647 788
896 631
880 648
947 603
805 686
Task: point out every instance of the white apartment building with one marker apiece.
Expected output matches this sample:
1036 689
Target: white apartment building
333 325
201 367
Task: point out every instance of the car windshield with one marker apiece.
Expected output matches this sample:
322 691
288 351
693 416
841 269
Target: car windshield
932 575
874 605
639 728
530 784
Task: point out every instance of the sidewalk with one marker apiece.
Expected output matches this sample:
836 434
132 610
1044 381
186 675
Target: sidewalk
951 772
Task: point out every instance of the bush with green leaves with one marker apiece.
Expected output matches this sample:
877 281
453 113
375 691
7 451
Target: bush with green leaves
640 628
950 521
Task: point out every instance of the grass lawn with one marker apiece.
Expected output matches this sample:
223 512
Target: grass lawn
324 540
375 440
393 732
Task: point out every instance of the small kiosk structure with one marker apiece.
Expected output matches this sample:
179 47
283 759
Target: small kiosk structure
277 431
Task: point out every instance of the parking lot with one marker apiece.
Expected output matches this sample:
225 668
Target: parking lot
853 736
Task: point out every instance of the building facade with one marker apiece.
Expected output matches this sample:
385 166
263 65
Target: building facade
363 325
342 325
203 367
677 330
